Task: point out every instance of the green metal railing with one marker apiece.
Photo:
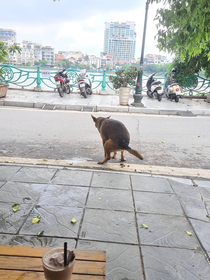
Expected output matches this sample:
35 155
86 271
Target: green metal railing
32 78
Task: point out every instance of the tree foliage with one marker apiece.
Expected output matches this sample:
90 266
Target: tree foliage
184 30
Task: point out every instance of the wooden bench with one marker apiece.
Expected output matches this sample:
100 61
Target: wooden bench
25 263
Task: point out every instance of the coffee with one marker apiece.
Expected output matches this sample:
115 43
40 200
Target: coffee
53 262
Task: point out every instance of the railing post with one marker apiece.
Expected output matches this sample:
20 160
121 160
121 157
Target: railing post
38 80
104 80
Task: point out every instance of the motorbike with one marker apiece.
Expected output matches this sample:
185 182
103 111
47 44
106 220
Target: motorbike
173 91
153 87
84 83
62 82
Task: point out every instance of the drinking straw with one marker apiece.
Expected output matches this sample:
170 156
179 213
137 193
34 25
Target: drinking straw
65 253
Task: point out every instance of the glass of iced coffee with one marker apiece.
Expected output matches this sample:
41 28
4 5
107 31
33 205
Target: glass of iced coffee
54 264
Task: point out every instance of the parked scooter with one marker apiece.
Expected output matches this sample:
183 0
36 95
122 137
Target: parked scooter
173 89
62 82
153 87
84 83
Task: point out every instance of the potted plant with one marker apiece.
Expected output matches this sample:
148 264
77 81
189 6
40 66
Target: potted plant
122 81
3 55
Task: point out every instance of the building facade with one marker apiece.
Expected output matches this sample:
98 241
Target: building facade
8 36
155 59
120 40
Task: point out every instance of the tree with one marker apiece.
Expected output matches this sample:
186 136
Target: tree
184 29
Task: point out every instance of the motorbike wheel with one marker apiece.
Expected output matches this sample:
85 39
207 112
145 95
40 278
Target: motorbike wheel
60 91
149 94
84 94
68 90
88 90
159 97
177 99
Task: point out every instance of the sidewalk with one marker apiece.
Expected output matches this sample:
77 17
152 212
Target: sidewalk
110 208
100 102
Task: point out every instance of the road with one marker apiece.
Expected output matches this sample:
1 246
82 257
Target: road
162 140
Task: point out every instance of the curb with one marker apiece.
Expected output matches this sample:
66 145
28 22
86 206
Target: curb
105 108
201 174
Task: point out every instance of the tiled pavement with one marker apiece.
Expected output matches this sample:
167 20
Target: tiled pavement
109 209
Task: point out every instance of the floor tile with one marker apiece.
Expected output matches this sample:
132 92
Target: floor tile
174 264
205 184
55 221
202 230
6 172
5 238
107 225
183 190
64 195
72 177
205 194
122 261
111 181
112 199
141 183
2 183
21 192
167 231
11 222
33 175
194 208
157 203
41 241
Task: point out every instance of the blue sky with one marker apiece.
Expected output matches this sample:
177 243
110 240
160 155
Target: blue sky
76 25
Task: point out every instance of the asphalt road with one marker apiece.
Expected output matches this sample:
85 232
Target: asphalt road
162 140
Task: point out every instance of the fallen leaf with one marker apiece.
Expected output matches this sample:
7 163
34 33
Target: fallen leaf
128 165
122 165
40 233
198 174
163 142
135 170
15 207
144 226
44 159
188 233
6 161
110 167
207 216
71 163
35 220
166 165
99 198
73 221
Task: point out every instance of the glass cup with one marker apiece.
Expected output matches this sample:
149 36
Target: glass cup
53 271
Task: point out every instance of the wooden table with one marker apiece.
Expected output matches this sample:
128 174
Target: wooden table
25 263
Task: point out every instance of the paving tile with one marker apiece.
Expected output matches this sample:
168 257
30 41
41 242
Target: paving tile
112 199
180 180
34 175
107 225
6 172
157 203
41 241
202 230
174 264
122 261
150 184
5 238
111 181
205 184
194 208
72 177
11 222
183 190
21 192
166 231
1 183
64 195
55 221
205 193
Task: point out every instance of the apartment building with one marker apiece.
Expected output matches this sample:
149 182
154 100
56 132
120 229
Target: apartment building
120 40
155 59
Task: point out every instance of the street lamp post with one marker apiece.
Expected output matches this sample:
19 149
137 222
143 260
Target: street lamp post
138 92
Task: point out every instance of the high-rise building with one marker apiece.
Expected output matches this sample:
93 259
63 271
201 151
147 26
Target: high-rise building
8 36
120 40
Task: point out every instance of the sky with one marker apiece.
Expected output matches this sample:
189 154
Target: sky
68 25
